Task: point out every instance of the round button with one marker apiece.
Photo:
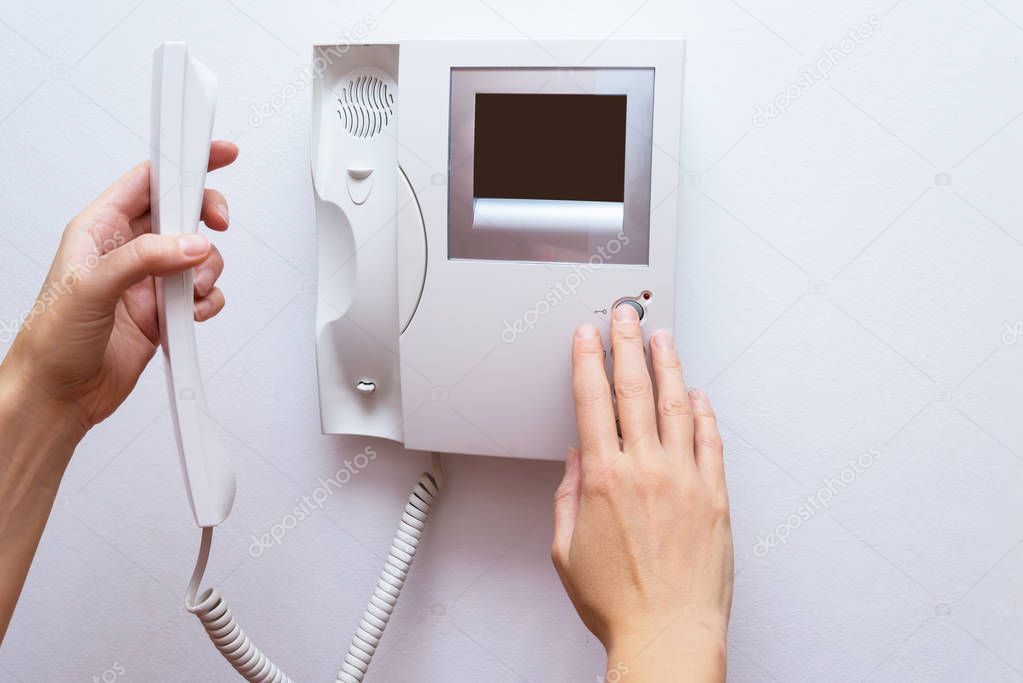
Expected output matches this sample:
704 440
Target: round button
635 304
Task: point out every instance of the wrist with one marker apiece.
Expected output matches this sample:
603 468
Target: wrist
691 651
30 417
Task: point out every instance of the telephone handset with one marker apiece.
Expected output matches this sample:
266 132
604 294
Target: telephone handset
183 103
183 106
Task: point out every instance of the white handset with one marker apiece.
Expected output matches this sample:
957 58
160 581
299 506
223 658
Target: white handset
183 105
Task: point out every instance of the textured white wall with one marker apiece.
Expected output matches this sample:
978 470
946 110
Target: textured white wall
849 270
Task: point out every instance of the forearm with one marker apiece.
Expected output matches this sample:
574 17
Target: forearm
693 656
38 438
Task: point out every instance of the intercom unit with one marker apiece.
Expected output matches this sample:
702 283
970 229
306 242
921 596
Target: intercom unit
475 202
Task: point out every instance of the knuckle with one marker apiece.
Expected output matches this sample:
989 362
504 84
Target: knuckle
628 333
589 393
622 344
706 412
670 363
672 406
670 371
711 440
601 488
146 247
563 494
583 352
137 248
605 483
632 386
99 220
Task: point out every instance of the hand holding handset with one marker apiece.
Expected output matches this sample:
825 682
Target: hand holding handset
183 105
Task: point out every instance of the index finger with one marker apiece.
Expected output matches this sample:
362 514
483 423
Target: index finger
594 413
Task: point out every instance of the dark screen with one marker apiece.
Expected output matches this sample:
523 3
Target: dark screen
569 147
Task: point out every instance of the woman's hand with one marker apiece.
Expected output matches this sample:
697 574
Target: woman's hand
94 325
83 345
642 539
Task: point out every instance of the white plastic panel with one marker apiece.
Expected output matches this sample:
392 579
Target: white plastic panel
485 363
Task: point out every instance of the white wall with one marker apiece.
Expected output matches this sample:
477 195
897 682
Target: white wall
838 295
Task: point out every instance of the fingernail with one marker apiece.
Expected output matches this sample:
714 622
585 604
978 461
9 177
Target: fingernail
222 210
193 245
625 313
662 339
586 331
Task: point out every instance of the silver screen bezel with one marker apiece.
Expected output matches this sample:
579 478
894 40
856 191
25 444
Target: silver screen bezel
632 245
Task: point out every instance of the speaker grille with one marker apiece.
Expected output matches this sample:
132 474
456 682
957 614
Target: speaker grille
366 106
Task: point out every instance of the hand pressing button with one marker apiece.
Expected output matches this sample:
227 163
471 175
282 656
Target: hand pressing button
633 304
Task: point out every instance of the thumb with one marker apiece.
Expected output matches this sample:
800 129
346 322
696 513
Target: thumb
566 505
146 255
